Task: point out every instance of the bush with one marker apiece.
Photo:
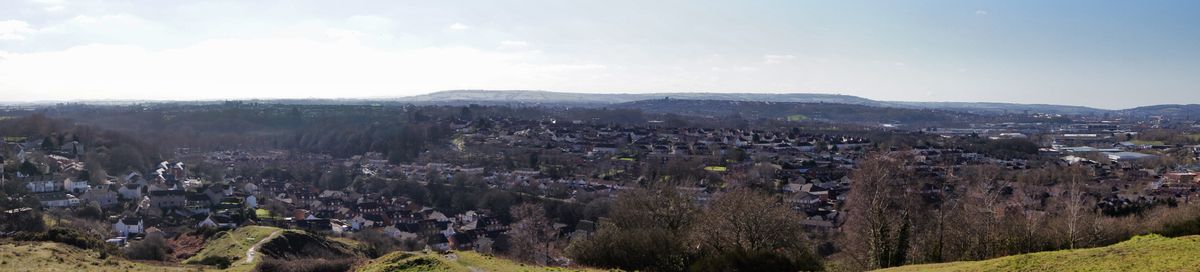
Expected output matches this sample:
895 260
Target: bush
70 237
220 262
90 211
153 247
31 223
752 261
1189 227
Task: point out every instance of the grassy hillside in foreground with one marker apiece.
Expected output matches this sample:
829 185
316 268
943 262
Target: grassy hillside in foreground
455 261
233 246
247 246
1142 253
49 256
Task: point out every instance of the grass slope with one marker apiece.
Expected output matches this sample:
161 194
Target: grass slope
1142 253
233 245
49 256
465 261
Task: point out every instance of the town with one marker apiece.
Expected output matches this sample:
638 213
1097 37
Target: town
457 188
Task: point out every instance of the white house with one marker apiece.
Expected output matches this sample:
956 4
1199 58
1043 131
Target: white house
77 186
42 186
359 222
338 226
250 188
58 200
251 202
392 231
104 197
217 222
130 191
129 225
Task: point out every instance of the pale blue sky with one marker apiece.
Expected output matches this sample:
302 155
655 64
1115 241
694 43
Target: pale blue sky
1108 54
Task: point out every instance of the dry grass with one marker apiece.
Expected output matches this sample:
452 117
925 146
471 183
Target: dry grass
47 256
1142 253
464 261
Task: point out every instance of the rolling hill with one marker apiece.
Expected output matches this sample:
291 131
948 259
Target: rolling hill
1189 111
245 247
795 111
1142 253
522 97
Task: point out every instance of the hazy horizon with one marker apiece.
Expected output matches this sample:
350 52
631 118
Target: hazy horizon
1106 54
401 98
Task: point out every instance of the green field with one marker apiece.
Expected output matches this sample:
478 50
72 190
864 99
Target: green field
455 261
1140 142
796 118
716 168
14 139
1142 253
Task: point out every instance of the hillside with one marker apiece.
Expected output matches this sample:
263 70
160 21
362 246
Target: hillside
245 247
1189 111
464 261
794 111
522 97
1142 253
237 247
49 256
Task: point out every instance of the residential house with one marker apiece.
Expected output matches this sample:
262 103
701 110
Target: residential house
251 202
57 200
217 221
127 226
42 184
131 191
198 203
102 195
166 199
76 186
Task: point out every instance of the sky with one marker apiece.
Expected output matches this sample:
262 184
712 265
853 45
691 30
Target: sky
1105 54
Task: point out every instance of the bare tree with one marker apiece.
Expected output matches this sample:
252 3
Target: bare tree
748 221
531 234
878 229
646 230
1075 206
986 192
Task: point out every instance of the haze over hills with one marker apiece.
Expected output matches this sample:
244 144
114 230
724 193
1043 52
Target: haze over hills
1188 111
796 111
585 99
550 98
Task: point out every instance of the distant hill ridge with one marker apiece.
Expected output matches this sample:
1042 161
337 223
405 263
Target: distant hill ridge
583 99
795 111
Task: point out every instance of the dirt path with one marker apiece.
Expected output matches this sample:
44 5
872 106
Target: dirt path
250 253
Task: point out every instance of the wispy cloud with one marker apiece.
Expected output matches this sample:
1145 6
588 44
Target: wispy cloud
511 45
51 5
777 59
239 68
459 27
14 30
981 12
